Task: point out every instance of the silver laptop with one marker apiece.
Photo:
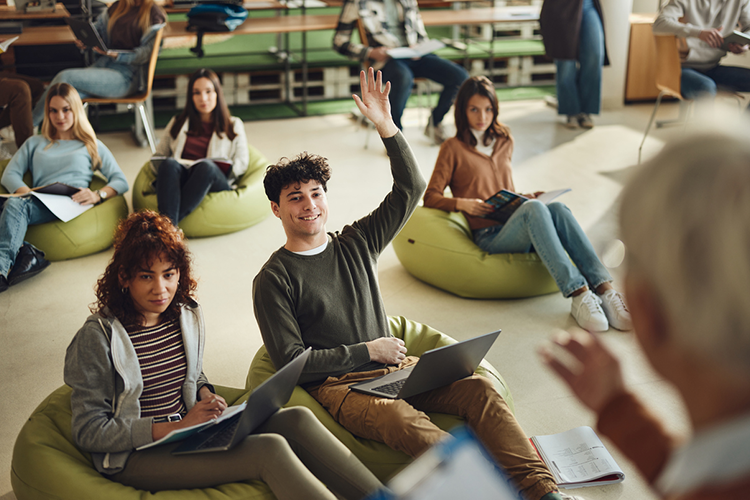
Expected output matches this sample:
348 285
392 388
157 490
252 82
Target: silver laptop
436 368
263 402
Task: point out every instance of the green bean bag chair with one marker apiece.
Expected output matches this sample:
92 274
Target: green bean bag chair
437 247
90 232
379 458
47 465
219 213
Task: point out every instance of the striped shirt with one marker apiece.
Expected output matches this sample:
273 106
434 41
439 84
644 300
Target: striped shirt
161 354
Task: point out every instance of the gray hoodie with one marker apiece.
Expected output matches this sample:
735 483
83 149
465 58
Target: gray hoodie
699 15
102 368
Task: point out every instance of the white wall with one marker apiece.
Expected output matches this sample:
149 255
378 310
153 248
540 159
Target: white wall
645 6
617 33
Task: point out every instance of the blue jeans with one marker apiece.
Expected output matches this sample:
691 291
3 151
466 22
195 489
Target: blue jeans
696 84
16 214
401 74
579 82
552 231
180 190
104 78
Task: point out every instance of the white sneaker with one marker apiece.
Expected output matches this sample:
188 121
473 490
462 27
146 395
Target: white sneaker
588 313
616 310
436 133
585 121
571 122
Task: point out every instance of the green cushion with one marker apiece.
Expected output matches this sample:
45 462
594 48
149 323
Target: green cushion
47 465
219 213
379 458
437 247
90 232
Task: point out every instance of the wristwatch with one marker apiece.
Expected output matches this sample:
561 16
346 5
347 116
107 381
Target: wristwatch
102 195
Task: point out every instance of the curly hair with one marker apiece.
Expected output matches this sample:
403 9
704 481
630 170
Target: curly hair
139 239
305 167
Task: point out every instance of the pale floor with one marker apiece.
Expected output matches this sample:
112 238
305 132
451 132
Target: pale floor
39 317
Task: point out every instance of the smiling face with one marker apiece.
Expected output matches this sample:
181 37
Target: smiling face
303 210
479 112
61 115
153 289
204 98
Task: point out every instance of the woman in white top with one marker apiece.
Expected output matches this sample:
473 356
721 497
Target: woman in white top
203 131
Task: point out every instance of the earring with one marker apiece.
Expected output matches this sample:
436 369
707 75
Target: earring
124 290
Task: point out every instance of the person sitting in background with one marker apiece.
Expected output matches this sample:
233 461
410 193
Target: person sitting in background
135 368
704 24
687 285
476 165
18 95
67 151
128 29
204 130
397 23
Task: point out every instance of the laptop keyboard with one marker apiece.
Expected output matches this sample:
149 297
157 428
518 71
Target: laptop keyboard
222 437
393 388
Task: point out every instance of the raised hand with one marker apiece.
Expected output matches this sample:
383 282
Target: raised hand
374 103
597 379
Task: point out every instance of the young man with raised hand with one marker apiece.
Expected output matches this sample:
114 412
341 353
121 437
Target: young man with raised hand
321 290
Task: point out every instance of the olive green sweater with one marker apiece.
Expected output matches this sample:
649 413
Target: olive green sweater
331 301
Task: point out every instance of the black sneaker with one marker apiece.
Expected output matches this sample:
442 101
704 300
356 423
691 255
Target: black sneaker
3 283
29 262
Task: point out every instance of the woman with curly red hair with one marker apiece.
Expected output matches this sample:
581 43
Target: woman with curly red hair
135 368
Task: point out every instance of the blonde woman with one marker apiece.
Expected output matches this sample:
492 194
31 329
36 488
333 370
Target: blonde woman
67 151
128 28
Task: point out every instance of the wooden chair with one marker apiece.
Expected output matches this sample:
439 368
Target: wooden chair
668 75
668 71
139 100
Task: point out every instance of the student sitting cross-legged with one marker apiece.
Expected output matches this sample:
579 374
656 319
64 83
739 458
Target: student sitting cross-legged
203 131
320 290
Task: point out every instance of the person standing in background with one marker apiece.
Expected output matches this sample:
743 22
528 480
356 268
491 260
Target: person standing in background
573 33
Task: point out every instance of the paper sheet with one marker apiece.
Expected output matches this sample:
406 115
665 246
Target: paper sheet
63 207
418 50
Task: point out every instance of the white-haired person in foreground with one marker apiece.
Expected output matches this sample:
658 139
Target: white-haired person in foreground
685 222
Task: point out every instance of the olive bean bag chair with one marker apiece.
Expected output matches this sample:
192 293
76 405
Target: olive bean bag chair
90 232
47 465
379 458
437 247
219 213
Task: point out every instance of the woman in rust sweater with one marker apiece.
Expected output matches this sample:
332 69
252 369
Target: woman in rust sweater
476 164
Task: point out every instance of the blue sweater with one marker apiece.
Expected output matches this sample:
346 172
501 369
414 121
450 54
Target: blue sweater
64 161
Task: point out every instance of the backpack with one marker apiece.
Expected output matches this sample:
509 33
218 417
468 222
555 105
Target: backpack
214 17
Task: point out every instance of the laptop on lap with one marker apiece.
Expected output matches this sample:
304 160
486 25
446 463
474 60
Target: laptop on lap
436 368
262 403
